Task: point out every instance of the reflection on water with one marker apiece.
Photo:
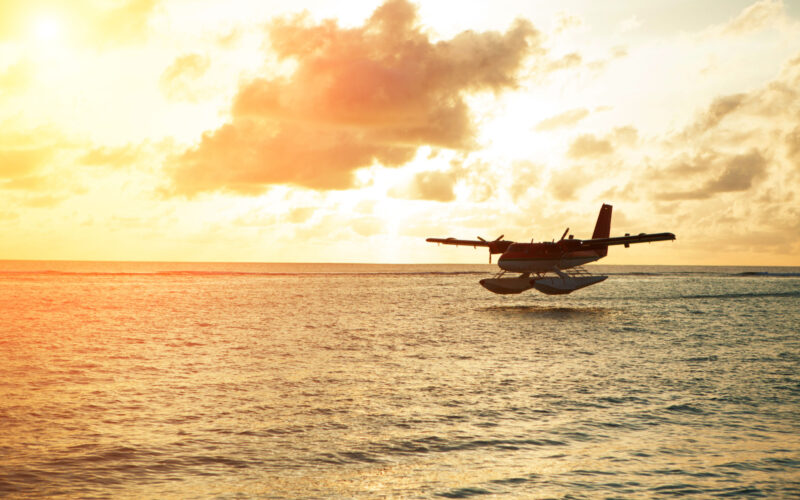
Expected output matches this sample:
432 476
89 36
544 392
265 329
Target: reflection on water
555 312
263 381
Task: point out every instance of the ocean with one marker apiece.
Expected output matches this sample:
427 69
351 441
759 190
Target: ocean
181 380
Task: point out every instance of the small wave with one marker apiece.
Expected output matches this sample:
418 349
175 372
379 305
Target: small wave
700 359
793 293
768 274
464 493
685 408
640 273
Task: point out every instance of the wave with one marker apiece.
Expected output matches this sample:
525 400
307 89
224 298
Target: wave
768 274
793 293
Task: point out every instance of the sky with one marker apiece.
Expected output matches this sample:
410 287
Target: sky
316 131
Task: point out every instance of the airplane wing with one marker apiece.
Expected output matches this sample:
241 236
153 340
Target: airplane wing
454 241
627 239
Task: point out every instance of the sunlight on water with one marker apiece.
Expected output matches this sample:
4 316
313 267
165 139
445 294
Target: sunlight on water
287 381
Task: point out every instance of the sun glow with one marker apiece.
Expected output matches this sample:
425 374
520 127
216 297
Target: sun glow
47 29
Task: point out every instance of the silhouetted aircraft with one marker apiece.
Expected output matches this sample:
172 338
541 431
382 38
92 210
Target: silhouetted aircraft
536 261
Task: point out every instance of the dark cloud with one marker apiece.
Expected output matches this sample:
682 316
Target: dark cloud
358 96
738 173
565 119
684 167
719 109
745 143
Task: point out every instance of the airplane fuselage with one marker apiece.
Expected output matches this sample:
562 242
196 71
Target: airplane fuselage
543 257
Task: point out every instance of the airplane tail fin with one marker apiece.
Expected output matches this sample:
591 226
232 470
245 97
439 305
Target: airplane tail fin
602 229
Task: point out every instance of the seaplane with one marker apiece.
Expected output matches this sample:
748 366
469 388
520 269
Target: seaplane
552 267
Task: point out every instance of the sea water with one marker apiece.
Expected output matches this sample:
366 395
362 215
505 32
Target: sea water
125 380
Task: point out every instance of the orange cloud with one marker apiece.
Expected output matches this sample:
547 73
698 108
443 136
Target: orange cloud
358 96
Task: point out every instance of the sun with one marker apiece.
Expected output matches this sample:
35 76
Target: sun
46 29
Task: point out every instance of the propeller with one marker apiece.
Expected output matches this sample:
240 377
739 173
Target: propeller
492 248
564 235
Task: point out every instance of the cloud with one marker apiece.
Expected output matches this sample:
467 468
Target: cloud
43 201
565 119
21 162
111 156
299 215
26 155
739 174
570 60
744 146
630 24
793 145
127 22
27 183
588 145
756 17
16 77
177 80
564 184
683 167
367 226
566 22
717 110
625 136
430 185
736 173
358 96
525 176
